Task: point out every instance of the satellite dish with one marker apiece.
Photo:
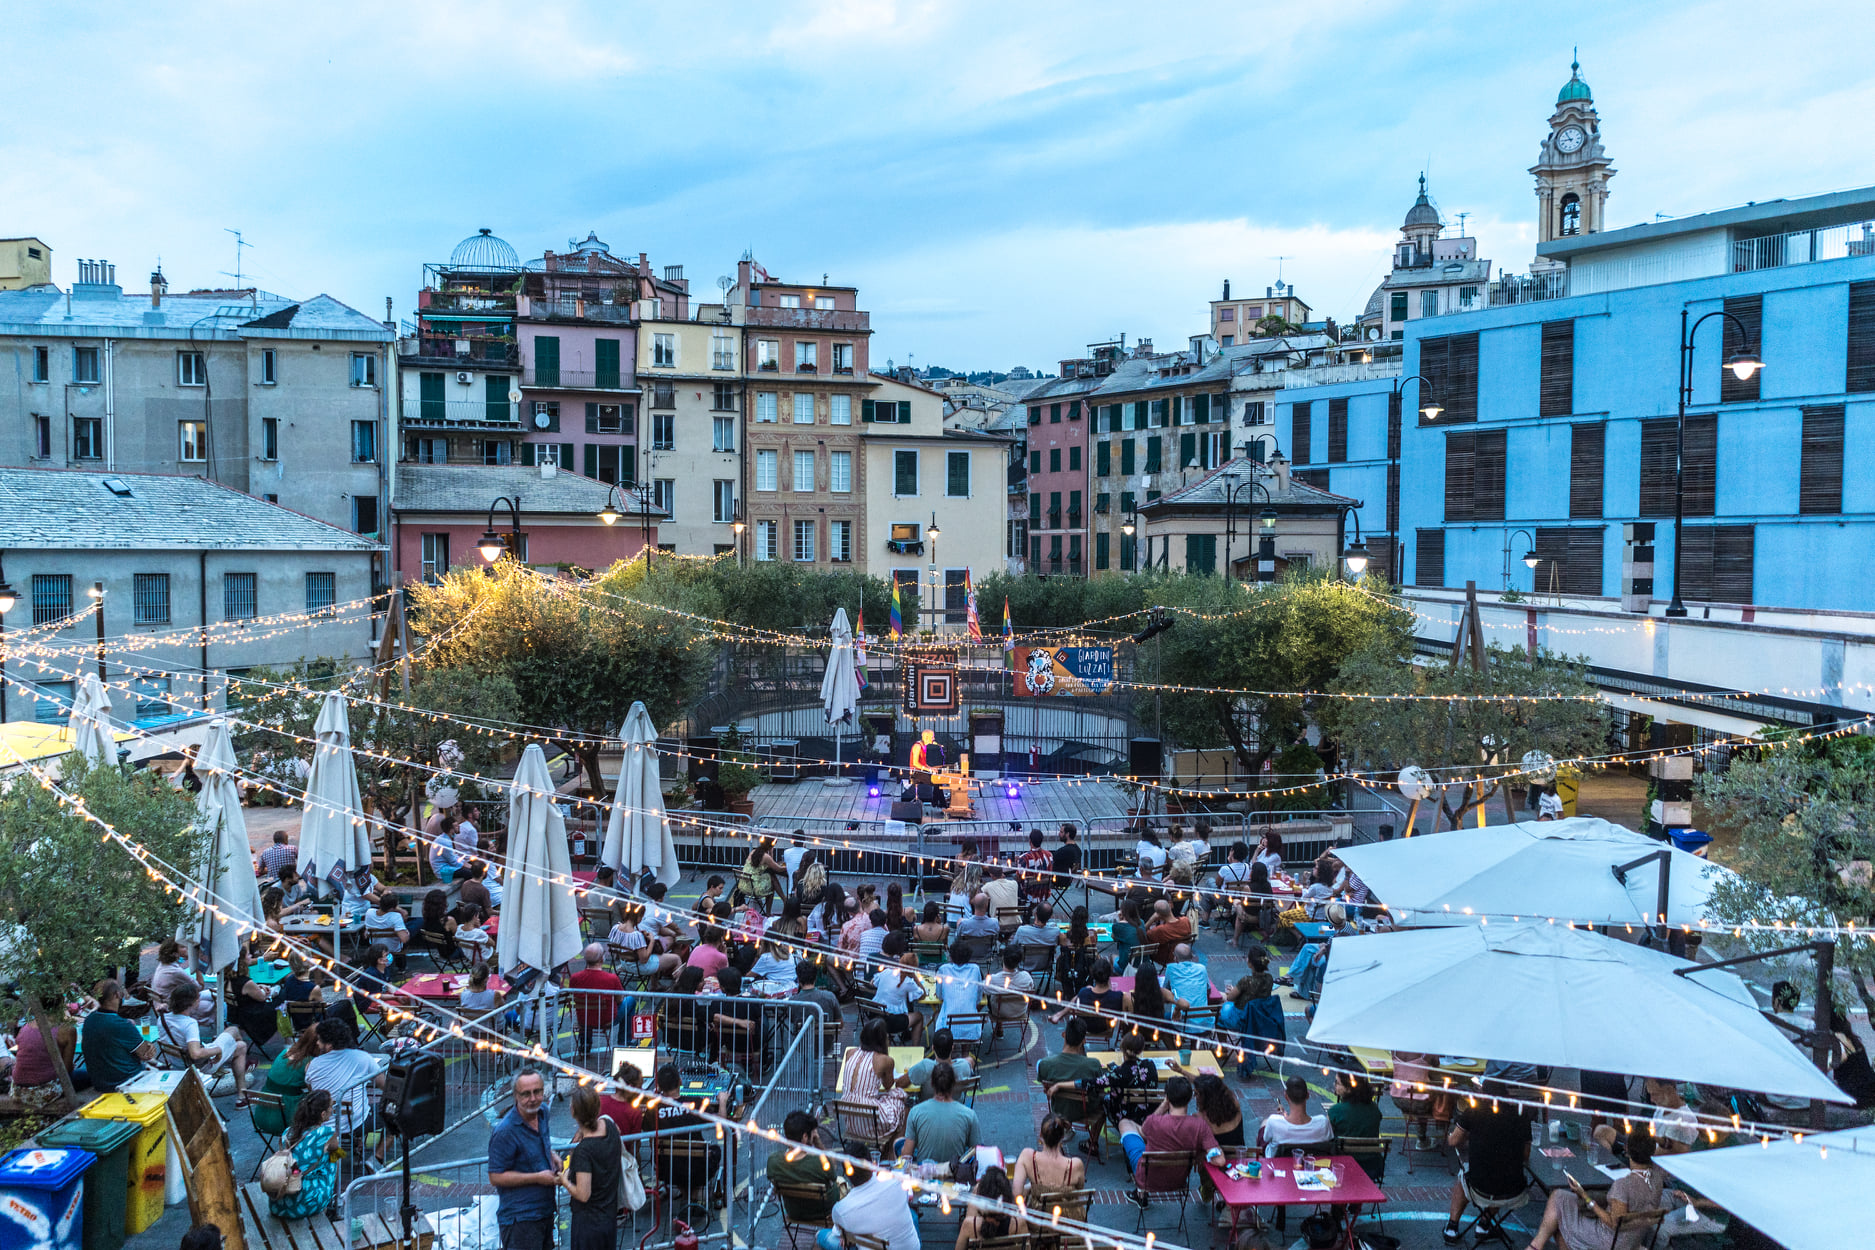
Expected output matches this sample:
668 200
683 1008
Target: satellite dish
1415 782
1540 767
724 282
514 397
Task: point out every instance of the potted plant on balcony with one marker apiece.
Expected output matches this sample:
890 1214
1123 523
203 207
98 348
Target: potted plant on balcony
737 780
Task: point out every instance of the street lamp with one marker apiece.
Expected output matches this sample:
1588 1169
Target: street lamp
1429 408
1744 364
494 542
610 515
1530 557
736 526
7 600
930 537
1267 516
97 596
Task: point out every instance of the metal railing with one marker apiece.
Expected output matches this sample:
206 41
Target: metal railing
458 351
1525 289
1802 247
579 379
578 309
840 320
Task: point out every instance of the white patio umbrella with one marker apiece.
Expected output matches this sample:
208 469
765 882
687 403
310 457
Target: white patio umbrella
229 870
1547 994
1560 868
839 689
332 835
90 721
539 915
1807 1195
638 834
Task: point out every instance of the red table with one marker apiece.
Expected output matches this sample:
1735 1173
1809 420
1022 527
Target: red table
446 986
1125 986
1276 1187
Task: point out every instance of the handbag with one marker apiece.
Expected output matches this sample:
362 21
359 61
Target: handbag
631 1185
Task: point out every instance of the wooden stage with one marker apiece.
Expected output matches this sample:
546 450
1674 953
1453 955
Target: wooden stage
1043 805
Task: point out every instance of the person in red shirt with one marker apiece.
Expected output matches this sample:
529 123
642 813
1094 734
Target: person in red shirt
621 1106
1167 931
596 1011
1171 1127
1037 868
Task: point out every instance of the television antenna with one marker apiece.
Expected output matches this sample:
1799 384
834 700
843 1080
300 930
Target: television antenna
239 243
1461 223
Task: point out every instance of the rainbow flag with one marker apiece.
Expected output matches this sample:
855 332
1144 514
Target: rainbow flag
859 648
970 601
1009 635
898 621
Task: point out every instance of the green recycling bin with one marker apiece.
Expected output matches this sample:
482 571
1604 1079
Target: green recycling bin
107 1180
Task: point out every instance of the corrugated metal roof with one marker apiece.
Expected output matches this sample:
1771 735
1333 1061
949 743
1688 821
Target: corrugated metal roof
78 508
472 487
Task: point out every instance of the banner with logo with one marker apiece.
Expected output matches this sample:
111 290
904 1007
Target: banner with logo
1062 671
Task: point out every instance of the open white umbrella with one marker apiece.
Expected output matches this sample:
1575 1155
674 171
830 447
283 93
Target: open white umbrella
229 870
90 720
333 838
638 834
1548 994
1560 868
539 915
839 689
1812 1194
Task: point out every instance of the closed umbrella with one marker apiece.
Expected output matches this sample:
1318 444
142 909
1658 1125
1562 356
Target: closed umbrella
539 915
1548 994
1812 1194
638 834
229 869
333 838
839 689
90 720
1560 868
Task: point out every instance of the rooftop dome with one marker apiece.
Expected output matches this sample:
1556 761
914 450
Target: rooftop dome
482 250
592 243
1422 213
1575 88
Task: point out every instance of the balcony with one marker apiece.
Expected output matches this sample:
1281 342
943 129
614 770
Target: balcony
458 351
1071 567
471 411
1527 288
578 380
834 320
565 309
905 546
1803 247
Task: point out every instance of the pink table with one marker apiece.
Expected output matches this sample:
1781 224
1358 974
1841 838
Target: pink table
1276 1187
446 985
1125 986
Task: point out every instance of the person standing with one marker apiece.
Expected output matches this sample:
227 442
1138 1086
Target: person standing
524 1169
593 1179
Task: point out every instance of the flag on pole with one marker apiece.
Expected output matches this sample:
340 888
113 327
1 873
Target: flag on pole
898 621
970 602
1009 635
859 648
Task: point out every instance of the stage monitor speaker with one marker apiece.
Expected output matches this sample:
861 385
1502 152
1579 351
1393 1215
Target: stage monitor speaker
702 761
413 1094
912 812
1145 757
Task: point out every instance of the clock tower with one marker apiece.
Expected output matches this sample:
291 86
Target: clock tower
1572 170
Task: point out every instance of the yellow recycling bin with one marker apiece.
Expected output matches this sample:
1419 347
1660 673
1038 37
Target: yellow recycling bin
143 1205
1568 786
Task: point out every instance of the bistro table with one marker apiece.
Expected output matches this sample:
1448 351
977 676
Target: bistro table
1125 986
1276 1186
445 986
268 971
1380 1063
325 927
1202 1061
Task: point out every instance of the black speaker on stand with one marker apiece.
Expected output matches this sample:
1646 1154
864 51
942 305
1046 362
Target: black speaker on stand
413 1107
1145 757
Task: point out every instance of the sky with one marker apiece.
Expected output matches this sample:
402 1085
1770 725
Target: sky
1005 183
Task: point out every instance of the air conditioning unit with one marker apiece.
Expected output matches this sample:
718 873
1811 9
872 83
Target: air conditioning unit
465 377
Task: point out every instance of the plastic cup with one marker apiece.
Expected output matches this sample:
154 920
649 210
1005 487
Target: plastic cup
1184 1056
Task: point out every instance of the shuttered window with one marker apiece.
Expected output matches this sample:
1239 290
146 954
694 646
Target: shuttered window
1587 445
1450 369
1393 499
1861 376
1299 433
1569 561
1337 431
1702 464
1488 477
1474 475
546 360
1749 309
1103 458
1819 490
1318 478
1460 462
1716 563
1187 450
1556 396
1702 458
1429 558
1393 425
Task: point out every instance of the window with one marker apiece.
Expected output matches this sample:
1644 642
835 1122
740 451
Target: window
87 438
84 364
722 501
1035 414
268 367
1103 502
55 704
1035 508
1557 368
806 357
321 591
840 541
1153 454
1860 376
804 541
192 437
1450 369
1749 311
1569 561
550 409
435 557
191 369
1054 509
664 351
364 442
1129 552
1054 459
1035 462
365 514
663 431
271 497
1429 558
52 597
843 358
1397 306
904 473
1201 553
764 405
956 596
1158 412
768 354
766 539
663 395
1571 215
840 410
1054 414
1474 475
606 419
957 474
840 471
495 405
1074 508
498 451
1586 459
664 493
1018 540
802 408
722 433
1074 410
547 360
1103 458
767 469
1255 412
1716 563
612 463
1128 456
42 438
149 599
1657 456
790 301
1337 431
1074 458
824 303
237 597
364 369
722 351
1429 303
1101 541
1819 490
803 472
1301 427
723 397
42 364
152 695
270 439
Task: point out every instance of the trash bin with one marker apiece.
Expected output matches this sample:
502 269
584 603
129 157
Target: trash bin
146 1168
1693 840
43 1192
107 1184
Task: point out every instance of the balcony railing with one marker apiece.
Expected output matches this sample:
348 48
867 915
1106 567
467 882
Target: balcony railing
1070 567
1527 288
578 310
578 380
1802 247
458 351
470 410
905 546
837 320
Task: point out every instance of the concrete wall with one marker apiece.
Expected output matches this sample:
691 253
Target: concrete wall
583 541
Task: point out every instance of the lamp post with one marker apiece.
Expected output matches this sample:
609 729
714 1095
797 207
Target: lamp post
1267 517
610 516
494 543
1530 557
930 538
97 596
1355 554
1743 365
7 600
736 526
1430 409
1128 528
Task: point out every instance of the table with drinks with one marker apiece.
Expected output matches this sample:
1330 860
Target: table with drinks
1197 1062
1245 1182
446 986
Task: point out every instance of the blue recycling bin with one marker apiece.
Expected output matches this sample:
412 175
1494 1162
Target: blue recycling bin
1693 840
42 1193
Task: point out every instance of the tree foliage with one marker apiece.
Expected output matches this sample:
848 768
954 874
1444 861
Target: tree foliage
1464 734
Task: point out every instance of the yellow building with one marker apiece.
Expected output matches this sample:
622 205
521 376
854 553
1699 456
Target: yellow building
1255 521
689 437
24 263
920 474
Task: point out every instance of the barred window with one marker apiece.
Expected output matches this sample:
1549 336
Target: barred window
237 597
52 597
149 599
321 591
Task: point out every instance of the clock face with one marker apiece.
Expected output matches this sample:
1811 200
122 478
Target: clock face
1570 139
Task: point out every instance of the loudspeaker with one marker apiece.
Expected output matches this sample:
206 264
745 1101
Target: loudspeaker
911 813
1145 757
413 1094
702 761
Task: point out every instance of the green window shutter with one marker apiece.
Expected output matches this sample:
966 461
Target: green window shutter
904 412
1126 456
1141 411
1177 407
1201 553
566 457
1035 508
1074 502
1035 414
1054 414
1187 449
1100 549
958 470
1074 410
1074 458
592 418
1126 501
430 404
1153 454
546 361
528 451
1223 446
1103 458
592 460
495 397
1201 410
1035 462
605 364
905 471
866 411
628 465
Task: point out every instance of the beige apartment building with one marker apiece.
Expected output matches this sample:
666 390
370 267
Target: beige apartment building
692 380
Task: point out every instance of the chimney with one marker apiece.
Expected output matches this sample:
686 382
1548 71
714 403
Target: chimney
1227 288
547 469
158 284
1280 467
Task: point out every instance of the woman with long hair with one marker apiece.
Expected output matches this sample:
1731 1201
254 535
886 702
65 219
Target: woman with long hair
591 1177
756 879
1128 933
966 883
790 923
868 1075
315 1164
931 927
896 916
1148 997
982 1223
1218 1106
1045 1168
438 922
1262 906
1077 954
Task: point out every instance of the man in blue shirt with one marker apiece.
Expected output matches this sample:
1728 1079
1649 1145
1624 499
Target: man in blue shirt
114 1049
524 1169
1186 979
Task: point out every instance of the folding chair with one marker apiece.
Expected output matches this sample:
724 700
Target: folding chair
625 966
857 1123
1010 919
1488 1223
1047 1206
702 1168
930 954
440 950
1038 960
1090 1118
793 1199
739 1046
977 1022
1014 1241
677 1028
830 1045
301 1015
966 1090
1371 1154
1648 1222
979 950
1167 1176
1198 1022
